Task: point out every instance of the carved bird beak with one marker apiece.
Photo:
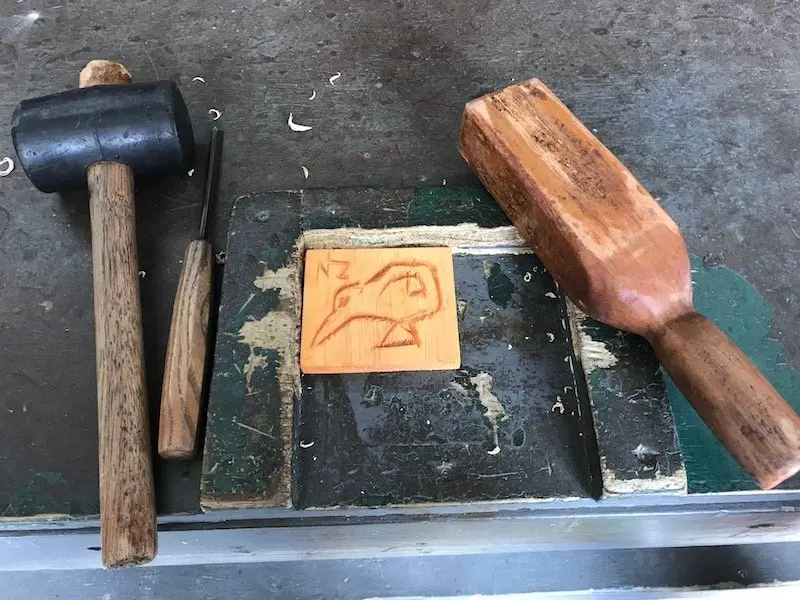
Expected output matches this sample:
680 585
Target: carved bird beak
332 323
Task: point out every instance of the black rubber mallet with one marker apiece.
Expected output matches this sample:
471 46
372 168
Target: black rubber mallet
100 134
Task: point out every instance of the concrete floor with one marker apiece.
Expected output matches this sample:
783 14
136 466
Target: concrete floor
698 100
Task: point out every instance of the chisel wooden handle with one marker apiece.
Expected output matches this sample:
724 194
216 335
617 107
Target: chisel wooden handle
127 495
730 394
184 370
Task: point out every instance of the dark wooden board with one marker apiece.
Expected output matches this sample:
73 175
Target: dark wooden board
425 437
636 437
246 457
370 433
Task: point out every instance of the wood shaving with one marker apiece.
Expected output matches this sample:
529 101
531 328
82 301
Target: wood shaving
313 94
198 78
221 257
305 445
190 172
495 450
142 274
334 77
6 166
295 126
305 171
551 337
215 114
550 295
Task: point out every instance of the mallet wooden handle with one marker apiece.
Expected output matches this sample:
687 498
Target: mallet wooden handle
184 371
739 405
617 254
127 494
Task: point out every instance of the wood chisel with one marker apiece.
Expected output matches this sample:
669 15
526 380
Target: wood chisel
622 260
187 348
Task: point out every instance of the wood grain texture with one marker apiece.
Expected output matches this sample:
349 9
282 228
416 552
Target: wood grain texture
127 489
732 397
378 310
618 255
127 496
103 72
622 260
187 350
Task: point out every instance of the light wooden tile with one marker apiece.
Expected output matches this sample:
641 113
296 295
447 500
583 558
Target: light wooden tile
368 310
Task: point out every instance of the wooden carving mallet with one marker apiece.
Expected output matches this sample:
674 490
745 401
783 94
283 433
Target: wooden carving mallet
622 260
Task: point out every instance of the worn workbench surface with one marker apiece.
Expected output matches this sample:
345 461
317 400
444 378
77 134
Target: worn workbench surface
697 99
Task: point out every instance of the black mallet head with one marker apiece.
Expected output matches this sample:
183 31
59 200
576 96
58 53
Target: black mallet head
145 126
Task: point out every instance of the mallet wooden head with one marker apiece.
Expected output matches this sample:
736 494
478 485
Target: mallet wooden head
621 259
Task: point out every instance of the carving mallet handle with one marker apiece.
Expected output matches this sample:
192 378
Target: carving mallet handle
127 494
747 414
617 254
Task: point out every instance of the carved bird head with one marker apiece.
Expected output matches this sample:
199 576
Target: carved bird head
400 294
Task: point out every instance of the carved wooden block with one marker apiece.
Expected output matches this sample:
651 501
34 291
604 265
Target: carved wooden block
369 310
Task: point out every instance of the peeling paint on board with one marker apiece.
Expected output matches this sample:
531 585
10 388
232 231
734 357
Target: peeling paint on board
278 329
495 413
594 354
279 279
483 388
639 454
265 333
612 485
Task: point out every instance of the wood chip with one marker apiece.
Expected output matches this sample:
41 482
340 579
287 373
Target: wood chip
6 166
296 126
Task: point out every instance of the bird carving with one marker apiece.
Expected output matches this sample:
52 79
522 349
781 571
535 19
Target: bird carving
400 294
